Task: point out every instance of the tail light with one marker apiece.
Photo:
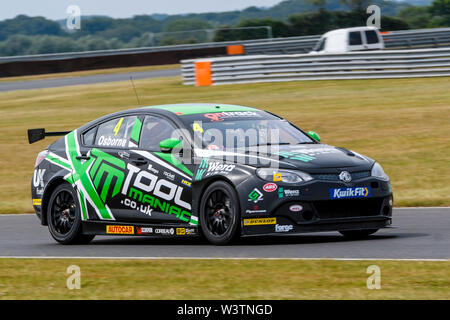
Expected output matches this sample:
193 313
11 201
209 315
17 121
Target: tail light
41 156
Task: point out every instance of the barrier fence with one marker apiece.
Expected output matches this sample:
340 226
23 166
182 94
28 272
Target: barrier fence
290 67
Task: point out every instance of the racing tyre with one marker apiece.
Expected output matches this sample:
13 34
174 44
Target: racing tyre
219 214
358 234
64 218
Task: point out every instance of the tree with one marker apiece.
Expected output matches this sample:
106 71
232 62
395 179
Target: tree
417 17
312 23
440 10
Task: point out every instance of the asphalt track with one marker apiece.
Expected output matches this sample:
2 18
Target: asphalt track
72 81
417 233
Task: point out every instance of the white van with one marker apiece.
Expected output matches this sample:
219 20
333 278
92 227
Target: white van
350 39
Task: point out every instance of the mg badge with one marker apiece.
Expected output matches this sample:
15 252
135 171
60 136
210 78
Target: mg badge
345 176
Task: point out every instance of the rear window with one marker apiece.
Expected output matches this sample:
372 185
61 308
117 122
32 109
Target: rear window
371 37
355 38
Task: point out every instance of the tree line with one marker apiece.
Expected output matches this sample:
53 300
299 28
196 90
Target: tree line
25 35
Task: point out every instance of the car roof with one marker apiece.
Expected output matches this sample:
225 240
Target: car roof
174 111
198 108
345 30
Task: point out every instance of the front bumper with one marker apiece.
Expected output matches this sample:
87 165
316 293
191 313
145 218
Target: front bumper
311 208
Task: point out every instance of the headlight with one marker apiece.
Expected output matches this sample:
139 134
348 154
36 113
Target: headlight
286 176
378 172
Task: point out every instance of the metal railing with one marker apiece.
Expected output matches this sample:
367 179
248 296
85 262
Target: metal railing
405 39
353 65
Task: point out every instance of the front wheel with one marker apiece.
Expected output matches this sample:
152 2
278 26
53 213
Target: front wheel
358 234
219 213
64 218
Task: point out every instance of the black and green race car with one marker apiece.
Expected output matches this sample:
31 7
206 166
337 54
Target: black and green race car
221 171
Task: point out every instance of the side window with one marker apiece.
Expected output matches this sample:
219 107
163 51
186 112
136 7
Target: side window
371 37
322 44
115 133
88 137
155 130
355 38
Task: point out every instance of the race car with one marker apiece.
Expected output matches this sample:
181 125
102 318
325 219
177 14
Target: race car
213 170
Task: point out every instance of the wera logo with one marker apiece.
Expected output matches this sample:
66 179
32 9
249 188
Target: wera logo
110 167
202 169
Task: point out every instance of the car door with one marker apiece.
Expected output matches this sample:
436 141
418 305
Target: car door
355 41
372 40
101 165
158 184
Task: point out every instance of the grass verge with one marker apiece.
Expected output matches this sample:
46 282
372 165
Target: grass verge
402 123
239 279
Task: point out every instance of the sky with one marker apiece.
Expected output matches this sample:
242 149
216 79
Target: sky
56 9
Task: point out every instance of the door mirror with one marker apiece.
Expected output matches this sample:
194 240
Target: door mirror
314 135
169 144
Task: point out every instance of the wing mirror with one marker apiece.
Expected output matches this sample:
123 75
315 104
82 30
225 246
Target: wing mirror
168 145
314 135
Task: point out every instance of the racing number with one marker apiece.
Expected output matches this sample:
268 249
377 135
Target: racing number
117 128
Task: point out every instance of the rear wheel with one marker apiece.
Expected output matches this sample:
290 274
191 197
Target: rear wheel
64 218
219 213
358 234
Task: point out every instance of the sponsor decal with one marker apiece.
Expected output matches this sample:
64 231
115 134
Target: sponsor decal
169 175
167 232
260 221
288 193
144 230
119 229
220 116
295 156
38 178
270 187
39 191
208 168
186 183
190 231
181 231
255 196
284 228
354 192
37 202
277 177
296 208
124 154
152 170
256 211
160 189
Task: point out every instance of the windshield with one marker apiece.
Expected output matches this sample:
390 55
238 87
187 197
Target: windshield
228 133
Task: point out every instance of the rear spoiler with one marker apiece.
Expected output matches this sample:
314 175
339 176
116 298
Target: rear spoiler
35 135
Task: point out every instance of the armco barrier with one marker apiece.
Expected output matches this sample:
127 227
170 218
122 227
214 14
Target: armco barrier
354 65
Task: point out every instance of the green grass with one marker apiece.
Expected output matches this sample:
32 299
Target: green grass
239 279
403 123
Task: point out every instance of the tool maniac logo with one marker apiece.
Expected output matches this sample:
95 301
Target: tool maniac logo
348 193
